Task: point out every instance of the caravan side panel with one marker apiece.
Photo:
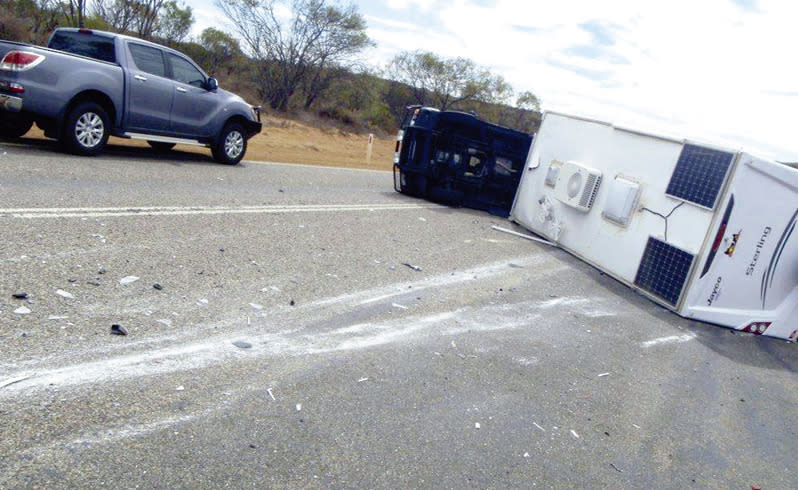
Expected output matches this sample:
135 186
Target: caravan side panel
633 230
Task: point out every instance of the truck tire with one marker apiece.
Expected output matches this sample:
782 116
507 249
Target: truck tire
86 129
13 126
160 146
231 145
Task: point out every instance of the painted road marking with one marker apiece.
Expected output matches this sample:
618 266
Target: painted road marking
42 213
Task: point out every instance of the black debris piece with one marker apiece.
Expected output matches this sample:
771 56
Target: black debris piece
117 329
414 267
20 295
157 286
292 303
242 345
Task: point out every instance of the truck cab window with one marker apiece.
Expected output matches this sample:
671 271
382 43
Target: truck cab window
148 59
185 72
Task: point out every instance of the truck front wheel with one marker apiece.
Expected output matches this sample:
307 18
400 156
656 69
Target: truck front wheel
86 129
231 145
13 126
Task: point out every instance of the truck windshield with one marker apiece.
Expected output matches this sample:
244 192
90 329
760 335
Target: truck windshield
85 44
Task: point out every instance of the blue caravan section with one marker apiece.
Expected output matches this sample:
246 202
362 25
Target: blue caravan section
458 159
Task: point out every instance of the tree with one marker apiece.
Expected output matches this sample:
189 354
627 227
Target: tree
139 17
442 82
300 51
173 22
221 50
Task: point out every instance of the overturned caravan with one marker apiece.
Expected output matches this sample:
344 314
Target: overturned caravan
707 232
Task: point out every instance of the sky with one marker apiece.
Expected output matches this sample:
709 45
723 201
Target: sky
712 71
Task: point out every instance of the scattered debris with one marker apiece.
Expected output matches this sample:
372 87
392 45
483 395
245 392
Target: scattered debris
477 426
539 427
22 310
528 237
93 283
616 468
256 306
157 286
127 280
180 388
603 374
202 302
101 271
242 345
414 267
64 294
117 329
20 295
362 379
298 407
165 321
292 303
526 455
573 433
56 317
270 288
397 305
422 219
269 391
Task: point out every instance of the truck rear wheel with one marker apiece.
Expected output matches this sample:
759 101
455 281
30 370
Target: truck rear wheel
86 129
231 145
13 126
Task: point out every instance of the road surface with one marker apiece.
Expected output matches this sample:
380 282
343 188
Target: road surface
299 327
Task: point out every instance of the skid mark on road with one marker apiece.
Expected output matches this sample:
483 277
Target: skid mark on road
673 339
45 213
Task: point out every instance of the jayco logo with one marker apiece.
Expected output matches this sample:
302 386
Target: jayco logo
715 292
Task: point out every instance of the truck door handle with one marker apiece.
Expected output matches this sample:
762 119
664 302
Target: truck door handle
181 89
139 77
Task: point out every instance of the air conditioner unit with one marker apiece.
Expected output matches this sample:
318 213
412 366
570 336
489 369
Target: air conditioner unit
577 185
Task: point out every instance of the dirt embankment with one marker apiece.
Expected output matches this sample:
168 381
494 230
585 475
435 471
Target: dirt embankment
289 141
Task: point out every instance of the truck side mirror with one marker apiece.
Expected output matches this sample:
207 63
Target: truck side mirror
211 84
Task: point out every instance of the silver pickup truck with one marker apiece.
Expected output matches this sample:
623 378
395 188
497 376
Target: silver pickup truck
87 85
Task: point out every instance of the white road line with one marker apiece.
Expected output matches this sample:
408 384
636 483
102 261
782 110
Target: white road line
39 213
673 339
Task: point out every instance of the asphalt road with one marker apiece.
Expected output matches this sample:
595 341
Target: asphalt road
289 345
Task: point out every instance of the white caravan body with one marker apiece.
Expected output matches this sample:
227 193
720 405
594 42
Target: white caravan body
705 231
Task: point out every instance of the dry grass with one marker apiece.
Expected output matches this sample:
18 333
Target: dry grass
288 141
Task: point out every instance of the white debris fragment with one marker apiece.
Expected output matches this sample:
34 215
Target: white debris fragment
256 306
22 310
269 391
603 374
573 433
477 426
298 407
362 379
202 302
539 427
397 305
422 219
128 280
635 426
270 288
526 455
180 388
57 317
65 294
165 321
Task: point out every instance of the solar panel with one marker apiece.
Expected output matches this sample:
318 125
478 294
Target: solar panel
663 270
699 175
